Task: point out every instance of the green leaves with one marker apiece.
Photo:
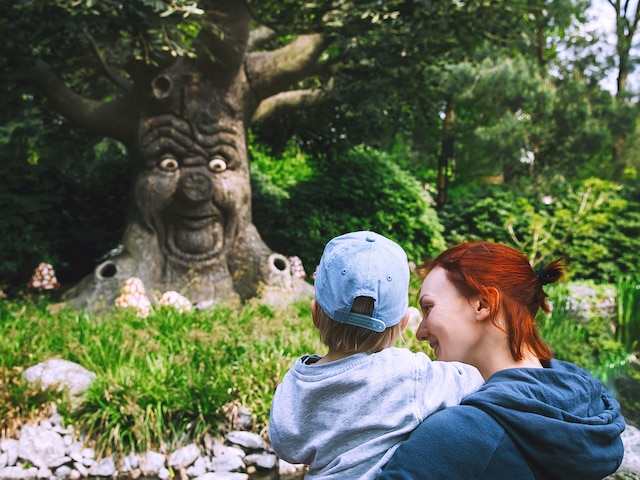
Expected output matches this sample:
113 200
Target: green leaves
594 224
362 189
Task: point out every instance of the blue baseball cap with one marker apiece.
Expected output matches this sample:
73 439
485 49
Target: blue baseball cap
363 264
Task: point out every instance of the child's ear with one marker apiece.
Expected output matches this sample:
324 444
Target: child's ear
314 312
404 321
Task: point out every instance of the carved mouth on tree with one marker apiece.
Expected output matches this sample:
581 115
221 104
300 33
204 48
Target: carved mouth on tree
196 222
195 238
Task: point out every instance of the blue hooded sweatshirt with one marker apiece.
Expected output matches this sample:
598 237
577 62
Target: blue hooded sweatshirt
524 423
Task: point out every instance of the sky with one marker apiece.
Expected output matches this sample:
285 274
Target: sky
603 20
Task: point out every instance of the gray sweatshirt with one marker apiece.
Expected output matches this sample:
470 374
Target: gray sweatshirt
346 418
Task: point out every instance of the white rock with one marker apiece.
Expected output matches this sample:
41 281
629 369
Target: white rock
75 451
10 447
198 468
44 473
18 473
62 471
226 463
56 420
89 453
286 468
246 439
59 374
183 457
84 471
219 450
151 463
265 461
41 447
164 474
223 476
129 463
103 468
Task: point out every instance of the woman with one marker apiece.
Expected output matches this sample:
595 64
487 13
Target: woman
535 418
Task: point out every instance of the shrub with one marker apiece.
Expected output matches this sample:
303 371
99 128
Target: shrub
594 224
298 210
589 343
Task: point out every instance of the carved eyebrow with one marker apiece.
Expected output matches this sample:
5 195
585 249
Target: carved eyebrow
165 144
166 132
211 127
215 135
221 139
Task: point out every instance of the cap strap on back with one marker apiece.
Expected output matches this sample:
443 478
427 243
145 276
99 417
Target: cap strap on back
365 321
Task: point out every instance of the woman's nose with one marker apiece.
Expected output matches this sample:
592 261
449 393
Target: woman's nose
422 333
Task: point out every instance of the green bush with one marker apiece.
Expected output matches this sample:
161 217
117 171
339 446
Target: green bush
590 344
594 224
479 213
300 203
628 313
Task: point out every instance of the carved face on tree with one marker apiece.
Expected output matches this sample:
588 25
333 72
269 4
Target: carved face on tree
194 188
194 185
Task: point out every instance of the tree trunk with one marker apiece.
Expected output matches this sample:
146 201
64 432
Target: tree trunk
446 154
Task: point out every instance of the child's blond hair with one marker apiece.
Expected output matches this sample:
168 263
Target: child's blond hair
349 339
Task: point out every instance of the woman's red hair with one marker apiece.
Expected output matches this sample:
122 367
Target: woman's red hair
502 276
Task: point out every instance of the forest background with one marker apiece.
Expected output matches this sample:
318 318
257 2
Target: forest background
442 122
495 127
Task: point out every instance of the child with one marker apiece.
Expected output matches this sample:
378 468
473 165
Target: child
344 414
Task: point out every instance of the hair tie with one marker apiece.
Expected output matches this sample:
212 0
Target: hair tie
543 276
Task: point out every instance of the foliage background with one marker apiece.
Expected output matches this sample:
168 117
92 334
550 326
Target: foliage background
507 118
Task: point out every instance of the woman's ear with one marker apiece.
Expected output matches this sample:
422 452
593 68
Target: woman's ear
482 308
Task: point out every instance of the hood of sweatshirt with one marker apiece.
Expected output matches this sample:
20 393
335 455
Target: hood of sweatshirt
563 419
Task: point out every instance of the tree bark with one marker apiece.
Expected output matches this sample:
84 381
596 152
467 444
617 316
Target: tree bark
446 153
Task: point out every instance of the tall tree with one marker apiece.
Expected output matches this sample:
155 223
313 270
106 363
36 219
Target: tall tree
627 17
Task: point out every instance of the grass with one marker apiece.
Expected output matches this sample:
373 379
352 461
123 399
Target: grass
160 379
590 344
628 313
171 377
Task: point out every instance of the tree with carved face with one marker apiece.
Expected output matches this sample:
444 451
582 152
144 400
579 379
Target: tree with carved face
190 227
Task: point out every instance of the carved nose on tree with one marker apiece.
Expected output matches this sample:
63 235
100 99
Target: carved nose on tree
195 186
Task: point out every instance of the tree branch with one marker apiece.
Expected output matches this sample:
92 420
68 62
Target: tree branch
111 74
271 72
223 40
113 119
285 101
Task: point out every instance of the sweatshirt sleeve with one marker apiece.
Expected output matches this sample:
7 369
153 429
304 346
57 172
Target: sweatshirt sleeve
443 384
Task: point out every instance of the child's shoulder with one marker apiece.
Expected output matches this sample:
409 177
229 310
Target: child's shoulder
403 353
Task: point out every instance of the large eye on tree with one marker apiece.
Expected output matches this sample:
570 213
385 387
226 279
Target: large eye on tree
169 164
217 165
